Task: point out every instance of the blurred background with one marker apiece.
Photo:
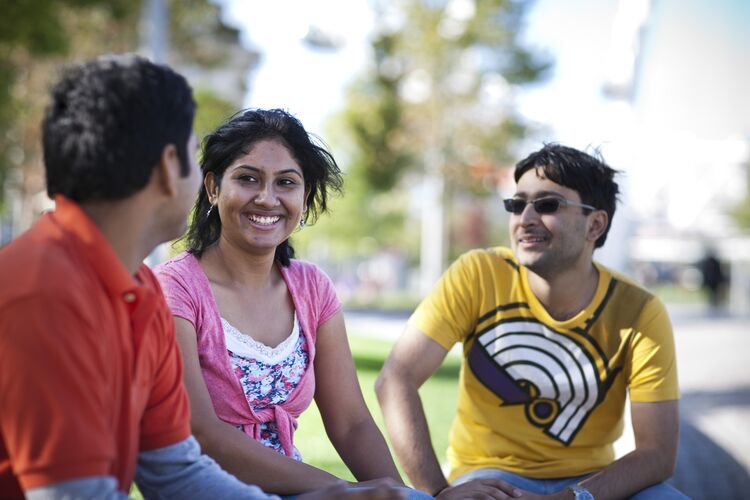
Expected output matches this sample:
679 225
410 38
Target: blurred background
427 105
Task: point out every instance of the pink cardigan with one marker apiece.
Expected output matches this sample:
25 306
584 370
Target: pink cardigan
189 296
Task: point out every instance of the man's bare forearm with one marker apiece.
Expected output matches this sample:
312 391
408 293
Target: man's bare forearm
410 436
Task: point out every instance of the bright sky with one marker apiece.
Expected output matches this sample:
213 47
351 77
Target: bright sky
308 83
692 108
700 53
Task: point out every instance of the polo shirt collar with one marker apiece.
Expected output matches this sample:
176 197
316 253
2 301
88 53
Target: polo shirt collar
94 247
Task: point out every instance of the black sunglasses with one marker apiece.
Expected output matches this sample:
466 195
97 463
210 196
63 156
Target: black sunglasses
546 205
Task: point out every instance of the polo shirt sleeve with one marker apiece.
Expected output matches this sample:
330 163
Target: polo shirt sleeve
652 364
56 412
450 310
166 419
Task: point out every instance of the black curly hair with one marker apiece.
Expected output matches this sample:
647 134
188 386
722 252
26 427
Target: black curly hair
108 123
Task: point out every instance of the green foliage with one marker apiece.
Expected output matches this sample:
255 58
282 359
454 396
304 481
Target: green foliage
38 37
211 112
33 34
437 98
199 33
741 212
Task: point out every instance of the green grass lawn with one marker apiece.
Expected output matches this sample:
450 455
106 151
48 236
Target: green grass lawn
438 397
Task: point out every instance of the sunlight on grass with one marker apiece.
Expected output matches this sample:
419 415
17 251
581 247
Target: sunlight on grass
438 397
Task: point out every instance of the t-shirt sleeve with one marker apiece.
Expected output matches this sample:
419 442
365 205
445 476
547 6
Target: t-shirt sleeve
653 367
166 419
55 419
450 311
179 292
329 303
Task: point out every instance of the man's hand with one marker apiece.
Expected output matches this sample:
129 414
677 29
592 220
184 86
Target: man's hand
376 489
480 489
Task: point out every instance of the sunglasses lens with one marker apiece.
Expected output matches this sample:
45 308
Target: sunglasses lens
514 205
546 205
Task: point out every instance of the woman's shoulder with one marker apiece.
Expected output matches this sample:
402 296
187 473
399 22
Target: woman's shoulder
180 262
183 267
304 268
304 272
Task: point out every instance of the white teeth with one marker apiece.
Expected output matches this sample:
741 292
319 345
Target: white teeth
532 239
266 221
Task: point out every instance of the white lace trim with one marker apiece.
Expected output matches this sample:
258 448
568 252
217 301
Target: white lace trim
245 346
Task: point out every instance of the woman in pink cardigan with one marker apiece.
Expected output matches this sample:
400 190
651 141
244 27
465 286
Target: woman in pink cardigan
261 333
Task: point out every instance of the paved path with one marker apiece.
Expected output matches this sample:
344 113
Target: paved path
713 355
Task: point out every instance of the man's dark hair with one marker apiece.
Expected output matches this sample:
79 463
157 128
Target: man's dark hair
588 175
236 137
108 123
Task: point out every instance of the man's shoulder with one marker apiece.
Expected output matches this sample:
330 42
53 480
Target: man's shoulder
628 285
629 295
496 258
40 262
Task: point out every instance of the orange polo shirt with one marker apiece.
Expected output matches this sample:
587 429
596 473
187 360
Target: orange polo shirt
90 372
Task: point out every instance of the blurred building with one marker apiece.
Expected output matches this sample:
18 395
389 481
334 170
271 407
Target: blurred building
685 148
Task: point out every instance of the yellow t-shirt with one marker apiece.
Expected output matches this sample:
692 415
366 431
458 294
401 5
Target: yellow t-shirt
540 397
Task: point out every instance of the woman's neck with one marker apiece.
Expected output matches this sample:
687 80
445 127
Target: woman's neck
227 265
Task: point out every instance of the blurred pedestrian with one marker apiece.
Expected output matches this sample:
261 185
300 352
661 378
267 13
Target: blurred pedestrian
714 280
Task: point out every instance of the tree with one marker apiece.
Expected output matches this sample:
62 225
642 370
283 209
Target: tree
435 108
37 38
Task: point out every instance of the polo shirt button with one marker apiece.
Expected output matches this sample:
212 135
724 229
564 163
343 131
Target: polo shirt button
129 297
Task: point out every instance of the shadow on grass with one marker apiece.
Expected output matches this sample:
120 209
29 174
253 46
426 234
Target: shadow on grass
364 362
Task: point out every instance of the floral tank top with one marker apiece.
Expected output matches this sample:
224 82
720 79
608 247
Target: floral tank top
267 375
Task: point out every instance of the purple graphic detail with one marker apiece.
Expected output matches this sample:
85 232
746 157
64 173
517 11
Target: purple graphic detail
495 377
543 410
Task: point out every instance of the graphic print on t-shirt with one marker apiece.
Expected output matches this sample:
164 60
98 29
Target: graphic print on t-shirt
555 376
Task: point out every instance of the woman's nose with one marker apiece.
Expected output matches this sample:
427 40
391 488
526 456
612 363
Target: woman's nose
266 196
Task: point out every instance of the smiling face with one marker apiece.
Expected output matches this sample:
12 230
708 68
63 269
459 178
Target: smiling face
261 197
552 243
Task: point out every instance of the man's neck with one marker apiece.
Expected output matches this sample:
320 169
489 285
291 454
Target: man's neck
566 294
126 227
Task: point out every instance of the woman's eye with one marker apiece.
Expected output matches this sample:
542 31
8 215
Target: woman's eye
287 182
246 178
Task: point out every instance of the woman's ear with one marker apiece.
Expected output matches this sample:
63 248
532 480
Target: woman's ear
211 185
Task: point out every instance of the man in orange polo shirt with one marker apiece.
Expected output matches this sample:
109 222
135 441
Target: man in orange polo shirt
91 391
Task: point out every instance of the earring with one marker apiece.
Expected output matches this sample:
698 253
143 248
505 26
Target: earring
208 213
302 223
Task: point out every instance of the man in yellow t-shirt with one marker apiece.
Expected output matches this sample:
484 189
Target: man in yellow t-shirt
553 342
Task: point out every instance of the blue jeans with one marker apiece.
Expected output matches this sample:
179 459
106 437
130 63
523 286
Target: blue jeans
547 486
